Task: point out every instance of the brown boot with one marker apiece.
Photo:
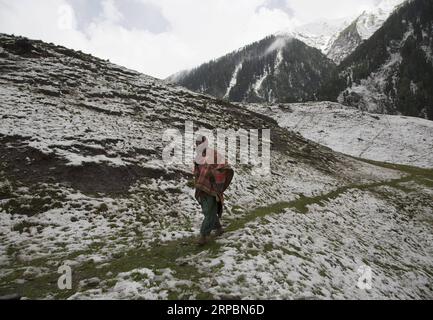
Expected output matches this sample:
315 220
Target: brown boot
202 241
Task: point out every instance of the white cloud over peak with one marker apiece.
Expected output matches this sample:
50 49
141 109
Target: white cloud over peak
165 36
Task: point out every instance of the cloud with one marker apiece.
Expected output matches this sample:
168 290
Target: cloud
162 37
143 16
86 11
277 5
278 44
130 14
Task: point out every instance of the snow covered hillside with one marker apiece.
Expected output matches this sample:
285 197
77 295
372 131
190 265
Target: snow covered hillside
393 139
82 183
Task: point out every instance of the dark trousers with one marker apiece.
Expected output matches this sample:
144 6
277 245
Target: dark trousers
209 206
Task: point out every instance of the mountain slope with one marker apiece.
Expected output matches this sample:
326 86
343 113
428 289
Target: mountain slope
346 42
82 183
392 72
361 29
338 38
276 69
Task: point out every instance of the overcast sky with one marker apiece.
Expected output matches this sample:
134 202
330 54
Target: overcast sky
161 37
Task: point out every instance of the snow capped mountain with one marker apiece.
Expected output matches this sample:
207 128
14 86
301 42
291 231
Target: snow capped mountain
377 55
265 71
372 19
340 37
320 34
362 28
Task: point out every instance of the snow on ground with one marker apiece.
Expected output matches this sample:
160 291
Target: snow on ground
136 284
62 119
319 254
83 181
387 138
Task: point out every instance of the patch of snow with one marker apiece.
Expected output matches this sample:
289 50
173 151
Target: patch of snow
413 87
76 160
233 80
428 53
137 284
258 84
278 60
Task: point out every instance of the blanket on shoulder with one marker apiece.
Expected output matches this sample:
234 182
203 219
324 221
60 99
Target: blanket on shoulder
213 178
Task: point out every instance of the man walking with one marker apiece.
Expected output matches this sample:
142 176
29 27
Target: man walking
213 176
